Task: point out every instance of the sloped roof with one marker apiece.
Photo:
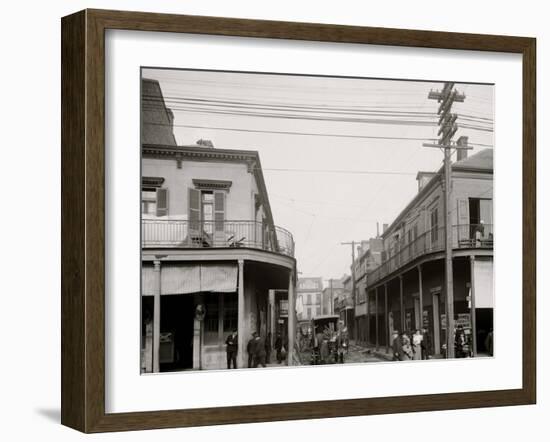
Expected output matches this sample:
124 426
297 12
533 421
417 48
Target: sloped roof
156 118
483 160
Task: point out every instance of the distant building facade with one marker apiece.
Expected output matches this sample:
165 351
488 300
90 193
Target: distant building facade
308 294
369 257
213 260
333 289
406 291
344 304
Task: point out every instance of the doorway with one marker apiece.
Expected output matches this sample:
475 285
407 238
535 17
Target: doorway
176 332
484 324
147 311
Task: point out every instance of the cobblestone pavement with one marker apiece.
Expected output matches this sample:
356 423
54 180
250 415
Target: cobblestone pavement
355 354
360 354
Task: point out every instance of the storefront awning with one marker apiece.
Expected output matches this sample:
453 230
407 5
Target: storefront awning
179 279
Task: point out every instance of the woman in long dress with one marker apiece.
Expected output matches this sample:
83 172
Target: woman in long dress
417 345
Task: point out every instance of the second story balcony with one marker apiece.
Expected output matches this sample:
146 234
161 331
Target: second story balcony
185 234
464 236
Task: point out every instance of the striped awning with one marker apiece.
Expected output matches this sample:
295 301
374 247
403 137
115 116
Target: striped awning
178 279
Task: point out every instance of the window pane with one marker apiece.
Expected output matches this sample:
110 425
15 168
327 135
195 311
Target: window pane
230 312
211 319
149 202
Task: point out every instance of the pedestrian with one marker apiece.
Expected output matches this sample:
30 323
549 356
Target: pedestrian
259 351
231 348
426 344
396 346
324 349
407 351
489 342
417 345
268 348
460 342
480 232
250 349
278 347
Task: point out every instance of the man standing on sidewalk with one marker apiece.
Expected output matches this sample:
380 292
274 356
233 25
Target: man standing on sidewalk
251 349
231 348
397 347
259 351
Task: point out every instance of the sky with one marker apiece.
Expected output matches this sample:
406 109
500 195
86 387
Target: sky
339 155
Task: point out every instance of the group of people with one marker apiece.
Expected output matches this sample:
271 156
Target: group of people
330 345
411 346
258 349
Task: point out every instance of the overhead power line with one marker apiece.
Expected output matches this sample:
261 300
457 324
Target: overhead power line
383 121
325 108
311 134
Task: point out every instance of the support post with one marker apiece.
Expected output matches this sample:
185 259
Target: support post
241 349
156 318
401 309
449 292
367 334
420 298
376 317
473 305
386 318
272 316
291 319
331 307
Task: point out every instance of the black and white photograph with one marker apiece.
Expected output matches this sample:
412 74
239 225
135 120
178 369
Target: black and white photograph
306 220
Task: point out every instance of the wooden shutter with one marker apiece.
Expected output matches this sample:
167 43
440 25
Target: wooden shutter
486 211
162 202
194 205
463 219
219 211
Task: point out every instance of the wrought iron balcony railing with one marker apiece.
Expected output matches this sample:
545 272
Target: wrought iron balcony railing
215 234
464 236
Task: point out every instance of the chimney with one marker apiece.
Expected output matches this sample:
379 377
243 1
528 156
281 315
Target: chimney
205 143
384 227
461 154
170 119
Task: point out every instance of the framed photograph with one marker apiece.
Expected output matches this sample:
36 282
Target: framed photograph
267 221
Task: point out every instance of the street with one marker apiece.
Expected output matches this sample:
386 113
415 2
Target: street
354 355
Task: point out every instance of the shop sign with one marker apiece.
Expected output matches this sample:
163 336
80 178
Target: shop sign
462 319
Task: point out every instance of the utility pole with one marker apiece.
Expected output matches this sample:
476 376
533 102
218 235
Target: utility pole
352 244
331 299
447 128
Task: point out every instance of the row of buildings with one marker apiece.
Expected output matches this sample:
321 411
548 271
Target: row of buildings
398 280
214 261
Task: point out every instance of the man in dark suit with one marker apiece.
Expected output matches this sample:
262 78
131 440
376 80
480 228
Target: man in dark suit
397 347
251 349
259 351
231 348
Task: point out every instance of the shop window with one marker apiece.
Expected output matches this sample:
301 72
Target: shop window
230 312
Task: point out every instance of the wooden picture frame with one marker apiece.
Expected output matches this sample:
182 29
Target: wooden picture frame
83 220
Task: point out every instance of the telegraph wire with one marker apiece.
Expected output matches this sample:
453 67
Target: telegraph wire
312 134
